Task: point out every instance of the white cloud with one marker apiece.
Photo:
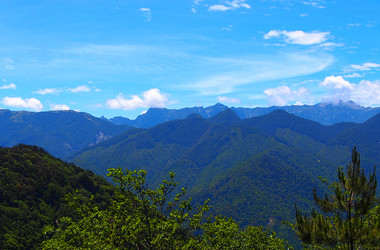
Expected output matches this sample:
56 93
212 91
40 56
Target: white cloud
47 91
59 107
218 7
364 93
298 36
230 5
282 95
83 88
336 82
147 13
365 66
18 102
152 98
228 99
8 86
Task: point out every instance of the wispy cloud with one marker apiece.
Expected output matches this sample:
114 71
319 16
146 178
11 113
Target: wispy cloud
152 98
78 89
230 5
47 91
315 3
355 74
298 36
147 13
8 86
225 99
242 72
365 66
18 102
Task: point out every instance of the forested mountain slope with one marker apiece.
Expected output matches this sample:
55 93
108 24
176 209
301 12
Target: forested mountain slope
33 185
252 169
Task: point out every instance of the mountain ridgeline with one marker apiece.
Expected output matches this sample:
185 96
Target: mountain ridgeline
323 113
61 133
252 169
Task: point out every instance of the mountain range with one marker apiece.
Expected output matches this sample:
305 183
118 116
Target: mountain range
64 133
252 169
323 113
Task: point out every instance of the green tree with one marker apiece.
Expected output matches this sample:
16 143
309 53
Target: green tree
346 219
144 218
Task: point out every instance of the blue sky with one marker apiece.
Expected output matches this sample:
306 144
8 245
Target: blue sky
119 58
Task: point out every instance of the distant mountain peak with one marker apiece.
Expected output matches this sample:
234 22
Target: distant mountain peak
215 109
218 105
351 104
226 116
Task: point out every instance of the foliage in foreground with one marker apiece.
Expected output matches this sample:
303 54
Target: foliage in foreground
143 218
351 218
32 187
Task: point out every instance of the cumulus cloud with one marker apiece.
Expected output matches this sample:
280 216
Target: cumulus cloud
152 98
18 102
336 82
59 107
83 88
8 86
365 92
282 95
230 5
228 99
147 13
47 91
298 36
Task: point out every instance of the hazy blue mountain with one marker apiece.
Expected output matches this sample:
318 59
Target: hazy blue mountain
323 113
156 116
61 133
